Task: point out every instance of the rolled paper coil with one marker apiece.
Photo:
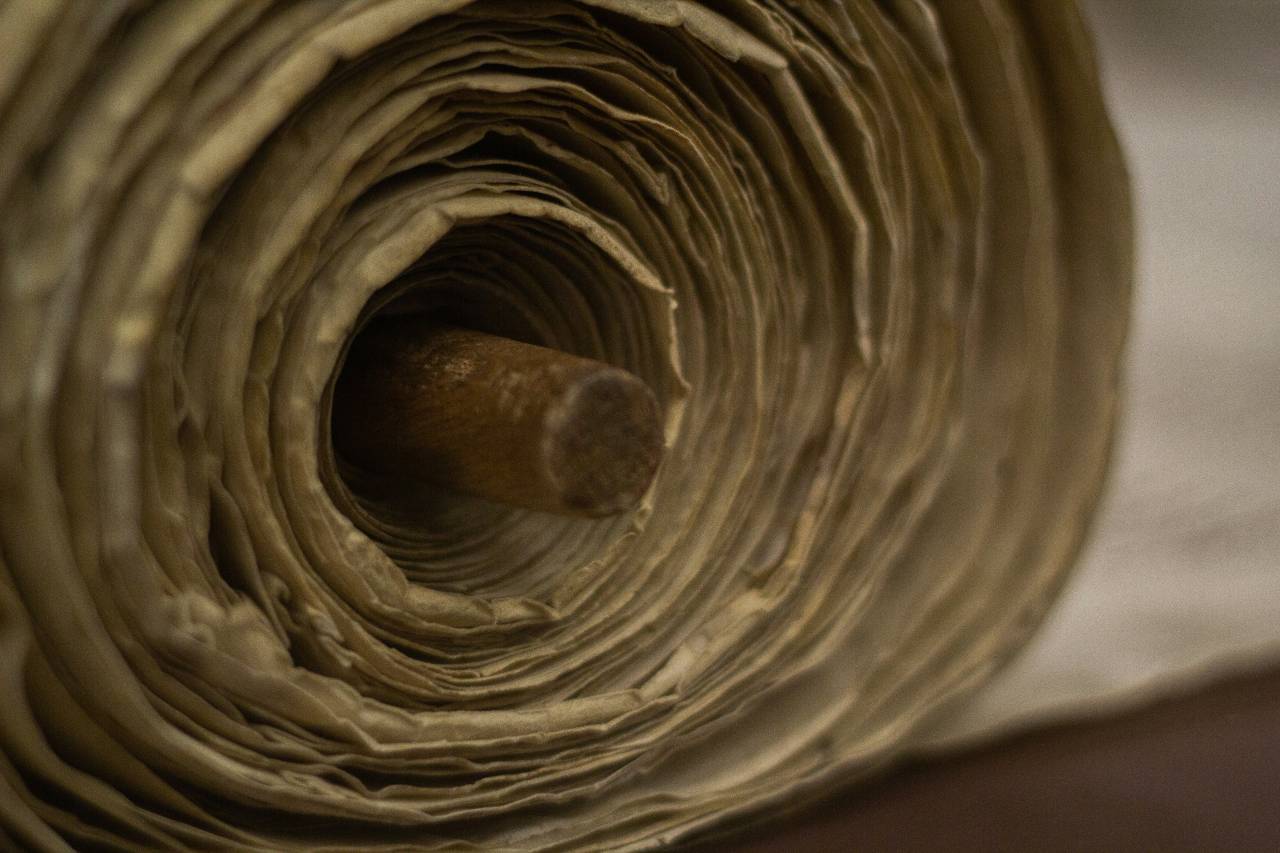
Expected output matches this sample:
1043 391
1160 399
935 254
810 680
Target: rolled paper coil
872 258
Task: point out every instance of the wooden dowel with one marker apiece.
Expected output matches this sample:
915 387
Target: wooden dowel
496 418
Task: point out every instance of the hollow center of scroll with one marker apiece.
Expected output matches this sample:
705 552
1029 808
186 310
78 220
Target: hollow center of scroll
508 369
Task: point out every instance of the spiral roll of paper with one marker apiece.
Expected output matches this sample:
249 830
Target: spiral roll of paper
872 258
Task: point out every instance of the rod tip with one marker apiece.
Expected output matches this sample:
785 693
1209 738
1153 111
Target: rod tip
604 442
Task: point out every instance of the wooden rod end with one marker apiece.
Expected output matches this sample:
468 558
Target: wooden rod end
496 418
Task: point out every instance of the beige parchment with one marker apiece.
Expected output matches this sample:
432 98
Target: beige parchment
873 258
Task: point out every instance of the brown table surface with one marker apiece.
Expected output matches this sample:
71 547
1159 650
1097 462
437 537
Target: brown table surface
1200 772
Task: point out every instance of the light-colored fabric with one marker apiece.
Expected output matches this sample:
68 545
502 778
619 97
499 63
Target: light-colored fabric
1180 583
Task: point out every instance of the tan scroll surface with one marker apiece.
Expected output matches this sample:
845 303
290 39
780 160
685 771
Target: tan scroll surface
872 258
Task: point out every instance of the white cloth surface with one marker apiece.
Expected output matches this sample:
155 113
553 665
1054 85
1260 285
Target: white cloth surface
1180 582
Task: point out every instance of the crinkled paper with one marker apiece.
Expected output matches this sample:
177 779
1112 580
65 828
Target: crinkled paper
872 257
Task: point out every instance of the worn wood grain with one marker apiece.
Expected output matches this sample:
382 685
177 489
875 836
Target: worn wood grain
496 418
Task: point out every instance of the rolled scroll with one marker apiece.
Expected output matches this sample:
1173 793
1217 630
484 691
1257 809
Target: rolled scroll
871 258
